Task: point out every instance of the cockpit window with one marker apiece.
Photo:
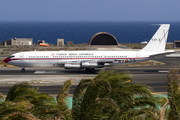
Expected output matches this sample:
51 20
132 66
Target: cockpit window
11 56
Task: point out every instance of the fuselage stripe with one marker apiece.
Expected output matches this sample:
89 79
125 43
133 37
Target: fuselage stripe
73 58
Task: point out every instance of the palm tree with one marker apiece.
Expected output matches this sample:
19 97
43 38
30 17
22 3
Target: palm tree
25 102
44 105
112 95
163 112
174 93
15 110
63 112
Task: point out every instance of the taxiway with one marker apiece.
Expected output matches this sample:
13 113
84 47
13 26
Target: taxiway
51 79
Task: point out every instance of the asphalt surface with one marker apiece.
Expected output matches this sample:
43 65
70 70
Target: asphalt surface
50 80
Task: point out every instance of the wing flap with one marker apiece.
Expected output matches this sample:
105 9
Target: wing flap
105 61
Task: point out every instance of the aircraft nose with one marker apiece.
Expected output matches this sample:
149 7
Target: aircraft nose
7 60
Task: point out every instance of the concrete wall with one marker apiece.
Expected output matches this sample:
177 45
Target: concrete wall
18 41
69 43
60 42
176 43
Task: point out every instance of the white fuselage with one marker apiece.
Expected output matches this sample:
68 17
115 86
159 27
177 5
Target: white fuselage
64 58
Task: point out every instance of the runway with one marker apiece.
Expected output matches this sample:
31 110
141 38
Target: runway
157 89
51 79
53 83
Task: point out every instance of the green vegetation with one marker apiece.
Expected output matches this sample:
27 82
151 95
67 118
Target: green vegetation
63 113
173 94
110 95
25 102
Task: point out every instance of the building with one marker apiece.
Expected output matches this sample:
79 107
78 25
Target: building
176 43
41 41
60 42
18 41
103 38
169 45
69 43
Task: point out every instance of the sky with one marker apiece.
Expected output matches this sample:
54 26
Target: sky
89 10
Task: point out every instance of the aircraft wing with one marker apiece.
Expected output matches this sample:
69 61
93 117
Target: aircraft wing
92 61
105 61
87 64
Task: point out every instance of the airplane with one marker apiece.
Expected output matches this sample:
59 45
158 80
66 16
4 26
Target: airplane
89 60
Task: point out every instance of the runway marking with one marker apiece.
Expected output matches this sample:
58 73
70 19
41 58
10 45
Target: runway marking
158 93
39 72
158 86
163 71
43 72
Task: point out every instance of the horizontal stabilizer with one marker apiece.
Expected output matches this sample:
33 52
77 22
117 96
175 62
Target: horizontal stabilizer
159 55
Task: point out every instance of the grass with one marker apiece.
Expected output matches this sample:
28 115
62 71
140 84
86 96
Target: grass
147 63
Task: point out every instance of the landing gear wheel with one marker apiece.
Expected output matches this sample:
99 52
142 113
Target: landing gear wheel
23 70
92 70
89 70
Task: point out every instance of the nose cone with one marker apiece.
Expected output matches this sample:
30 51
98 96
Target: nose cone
7 60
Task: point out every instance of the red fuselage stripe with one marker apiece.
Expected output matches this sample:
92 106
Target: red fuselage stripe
71 58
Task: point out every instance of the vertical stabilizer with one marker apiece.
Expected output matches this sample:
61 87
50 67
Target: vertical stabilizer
158 41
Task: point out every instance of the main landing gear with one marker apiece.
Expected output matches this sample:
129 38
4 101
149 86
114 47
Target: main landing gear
90 70
23 70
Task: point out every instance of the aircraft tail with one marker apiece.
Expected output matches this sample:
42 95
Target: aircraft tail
158 41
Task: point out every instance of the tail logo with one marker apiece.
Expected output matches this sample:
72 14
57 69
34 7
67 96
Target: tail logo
155 39
160 39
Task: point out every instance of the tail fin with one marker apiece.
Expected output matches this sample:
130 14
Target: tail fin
158 41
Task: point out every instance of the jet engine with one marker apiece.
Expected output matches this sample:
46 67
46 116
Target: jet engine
79 65
72 65
91 65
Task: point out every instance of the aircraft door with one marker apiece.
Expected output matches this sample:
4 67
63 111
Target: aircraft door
137 55
21 55
103 56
